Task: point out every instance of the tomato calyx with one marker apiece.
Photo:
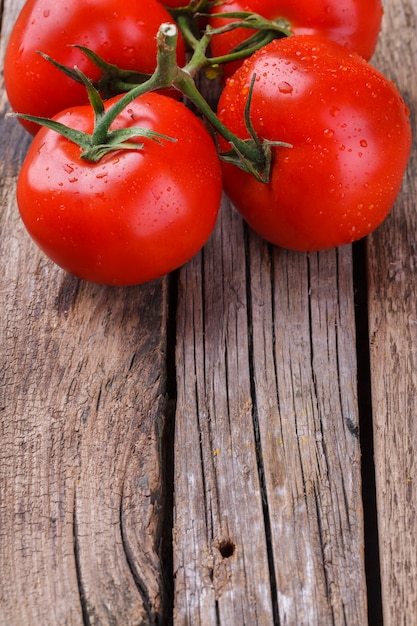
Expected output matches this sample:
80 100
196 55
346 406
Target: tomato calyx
266 31
102 140
113 80
259 165
252 155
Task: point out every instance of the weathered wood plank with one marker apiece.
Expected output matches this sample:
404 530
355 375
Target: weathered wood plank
83 381
393 335
306 407
268 520
267 455
220 548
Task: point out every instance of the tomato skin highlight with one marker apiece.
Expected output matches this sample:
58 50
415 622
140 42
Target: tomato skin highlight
353 23
350 134
122 33
136 214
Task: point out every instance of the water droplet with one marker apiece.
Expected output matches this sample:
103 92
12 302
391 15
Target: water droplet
46 13
285 87
363 143
129 51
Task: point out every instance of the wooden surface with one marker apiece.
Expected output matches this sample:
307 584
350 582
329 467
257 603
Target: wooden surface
233 444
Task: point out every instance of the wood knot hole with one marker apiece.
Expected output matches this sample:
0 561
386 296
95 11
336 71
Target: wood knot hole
227 548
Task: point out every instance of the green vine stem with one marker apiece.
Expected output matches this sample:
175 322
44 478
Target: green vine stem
265 32
252 155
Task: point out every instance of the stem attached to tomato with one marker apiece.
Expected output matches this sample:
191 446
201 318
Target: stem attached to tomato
252 155
265 32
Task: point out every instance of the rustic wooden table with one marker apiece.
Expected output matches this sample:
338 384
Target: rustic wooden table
232 445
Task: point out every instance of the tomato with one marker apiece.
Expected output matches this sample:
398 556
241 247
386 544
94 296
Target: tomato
122 33
136 214
350 135
353 23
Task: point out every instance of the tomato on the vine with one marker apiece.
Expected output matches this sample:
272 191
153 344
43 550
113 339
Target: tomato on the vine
350 134
122 33
136 214
353 23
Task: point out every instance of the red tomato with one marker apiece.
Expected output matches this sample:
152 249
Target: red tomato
122 33
353 23
136 214
350 134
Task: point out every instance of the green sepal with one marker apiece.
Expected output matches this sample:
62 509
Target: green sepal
260 167
76 136
113 81
253 21
119 140
236 158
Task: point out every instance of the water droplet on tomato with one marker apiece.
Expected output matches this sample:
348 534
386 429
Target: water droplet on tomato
363 143
129 51
334 111
46 13
285 87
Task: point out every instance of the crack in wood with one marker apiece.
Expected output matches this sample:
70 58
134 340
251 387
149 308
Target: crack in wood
77 562
258 441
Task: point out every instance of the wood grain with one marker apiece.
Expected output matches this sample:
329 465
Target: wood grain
268 525
305 390
393 343
267 451
83 404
